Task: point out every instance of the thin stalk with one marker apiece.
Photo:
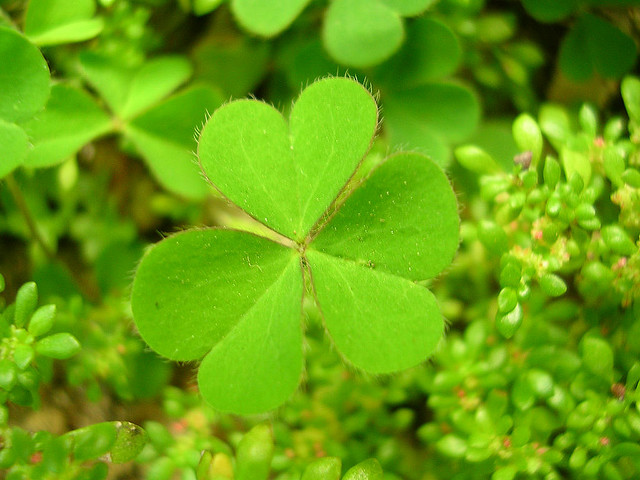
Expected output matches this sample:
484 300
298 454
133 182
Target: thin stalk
89 290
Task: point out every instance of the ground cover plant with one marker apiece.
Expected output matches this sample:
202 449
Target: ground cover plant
319 240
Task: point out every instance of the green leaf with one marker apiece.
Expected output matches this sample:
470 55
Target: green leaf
549 10
409 8
267 18
361 33
59 346
70 120
258 365
432 51
378 321
476 159
14 145
286 176
42 320
24 83
528 136
236 65
597 356
431 116
630 89
255 451
234 294
368 470
403 220
52 22
26 302
327 468
596 45
577 162
129 91
93 441
202 7
130 440
165 138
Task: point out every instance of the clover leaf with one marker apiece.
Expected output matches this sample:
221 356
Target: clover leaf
233 299
363 33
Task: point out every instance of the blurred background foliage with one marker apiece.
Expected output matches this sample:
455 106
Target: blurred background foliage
530 106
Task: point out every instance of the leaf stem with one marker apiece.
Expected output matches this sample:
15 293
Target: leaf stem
88 289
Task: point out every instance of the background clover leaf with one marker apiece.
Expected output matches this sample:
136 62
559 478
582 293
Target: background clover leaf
53 22
287 175
235 298
267 18
24 83
70 120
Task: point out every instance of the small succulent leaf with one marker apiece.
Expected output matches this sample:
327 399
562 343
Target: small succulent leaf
368 470
164 136
267 18
361 33
193 288
325 468
379 322
258 365
430 116
14 145
432 51
286 176
630 90
130 440
24 83
595 44
403 220
254 454
53 22
409 8
127 90
70 120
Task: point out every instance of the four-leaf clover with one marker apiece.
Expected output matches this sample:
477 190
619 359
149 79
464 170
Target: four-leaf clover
233 299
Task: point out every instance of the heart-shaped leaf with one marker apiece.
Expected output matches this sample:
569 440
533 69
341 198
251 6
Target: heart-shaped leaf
267 18
70 120
432 51
164 136
24 82
287 175
595 44
13 147
52 22
430 117
130 91
235 298
361 33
